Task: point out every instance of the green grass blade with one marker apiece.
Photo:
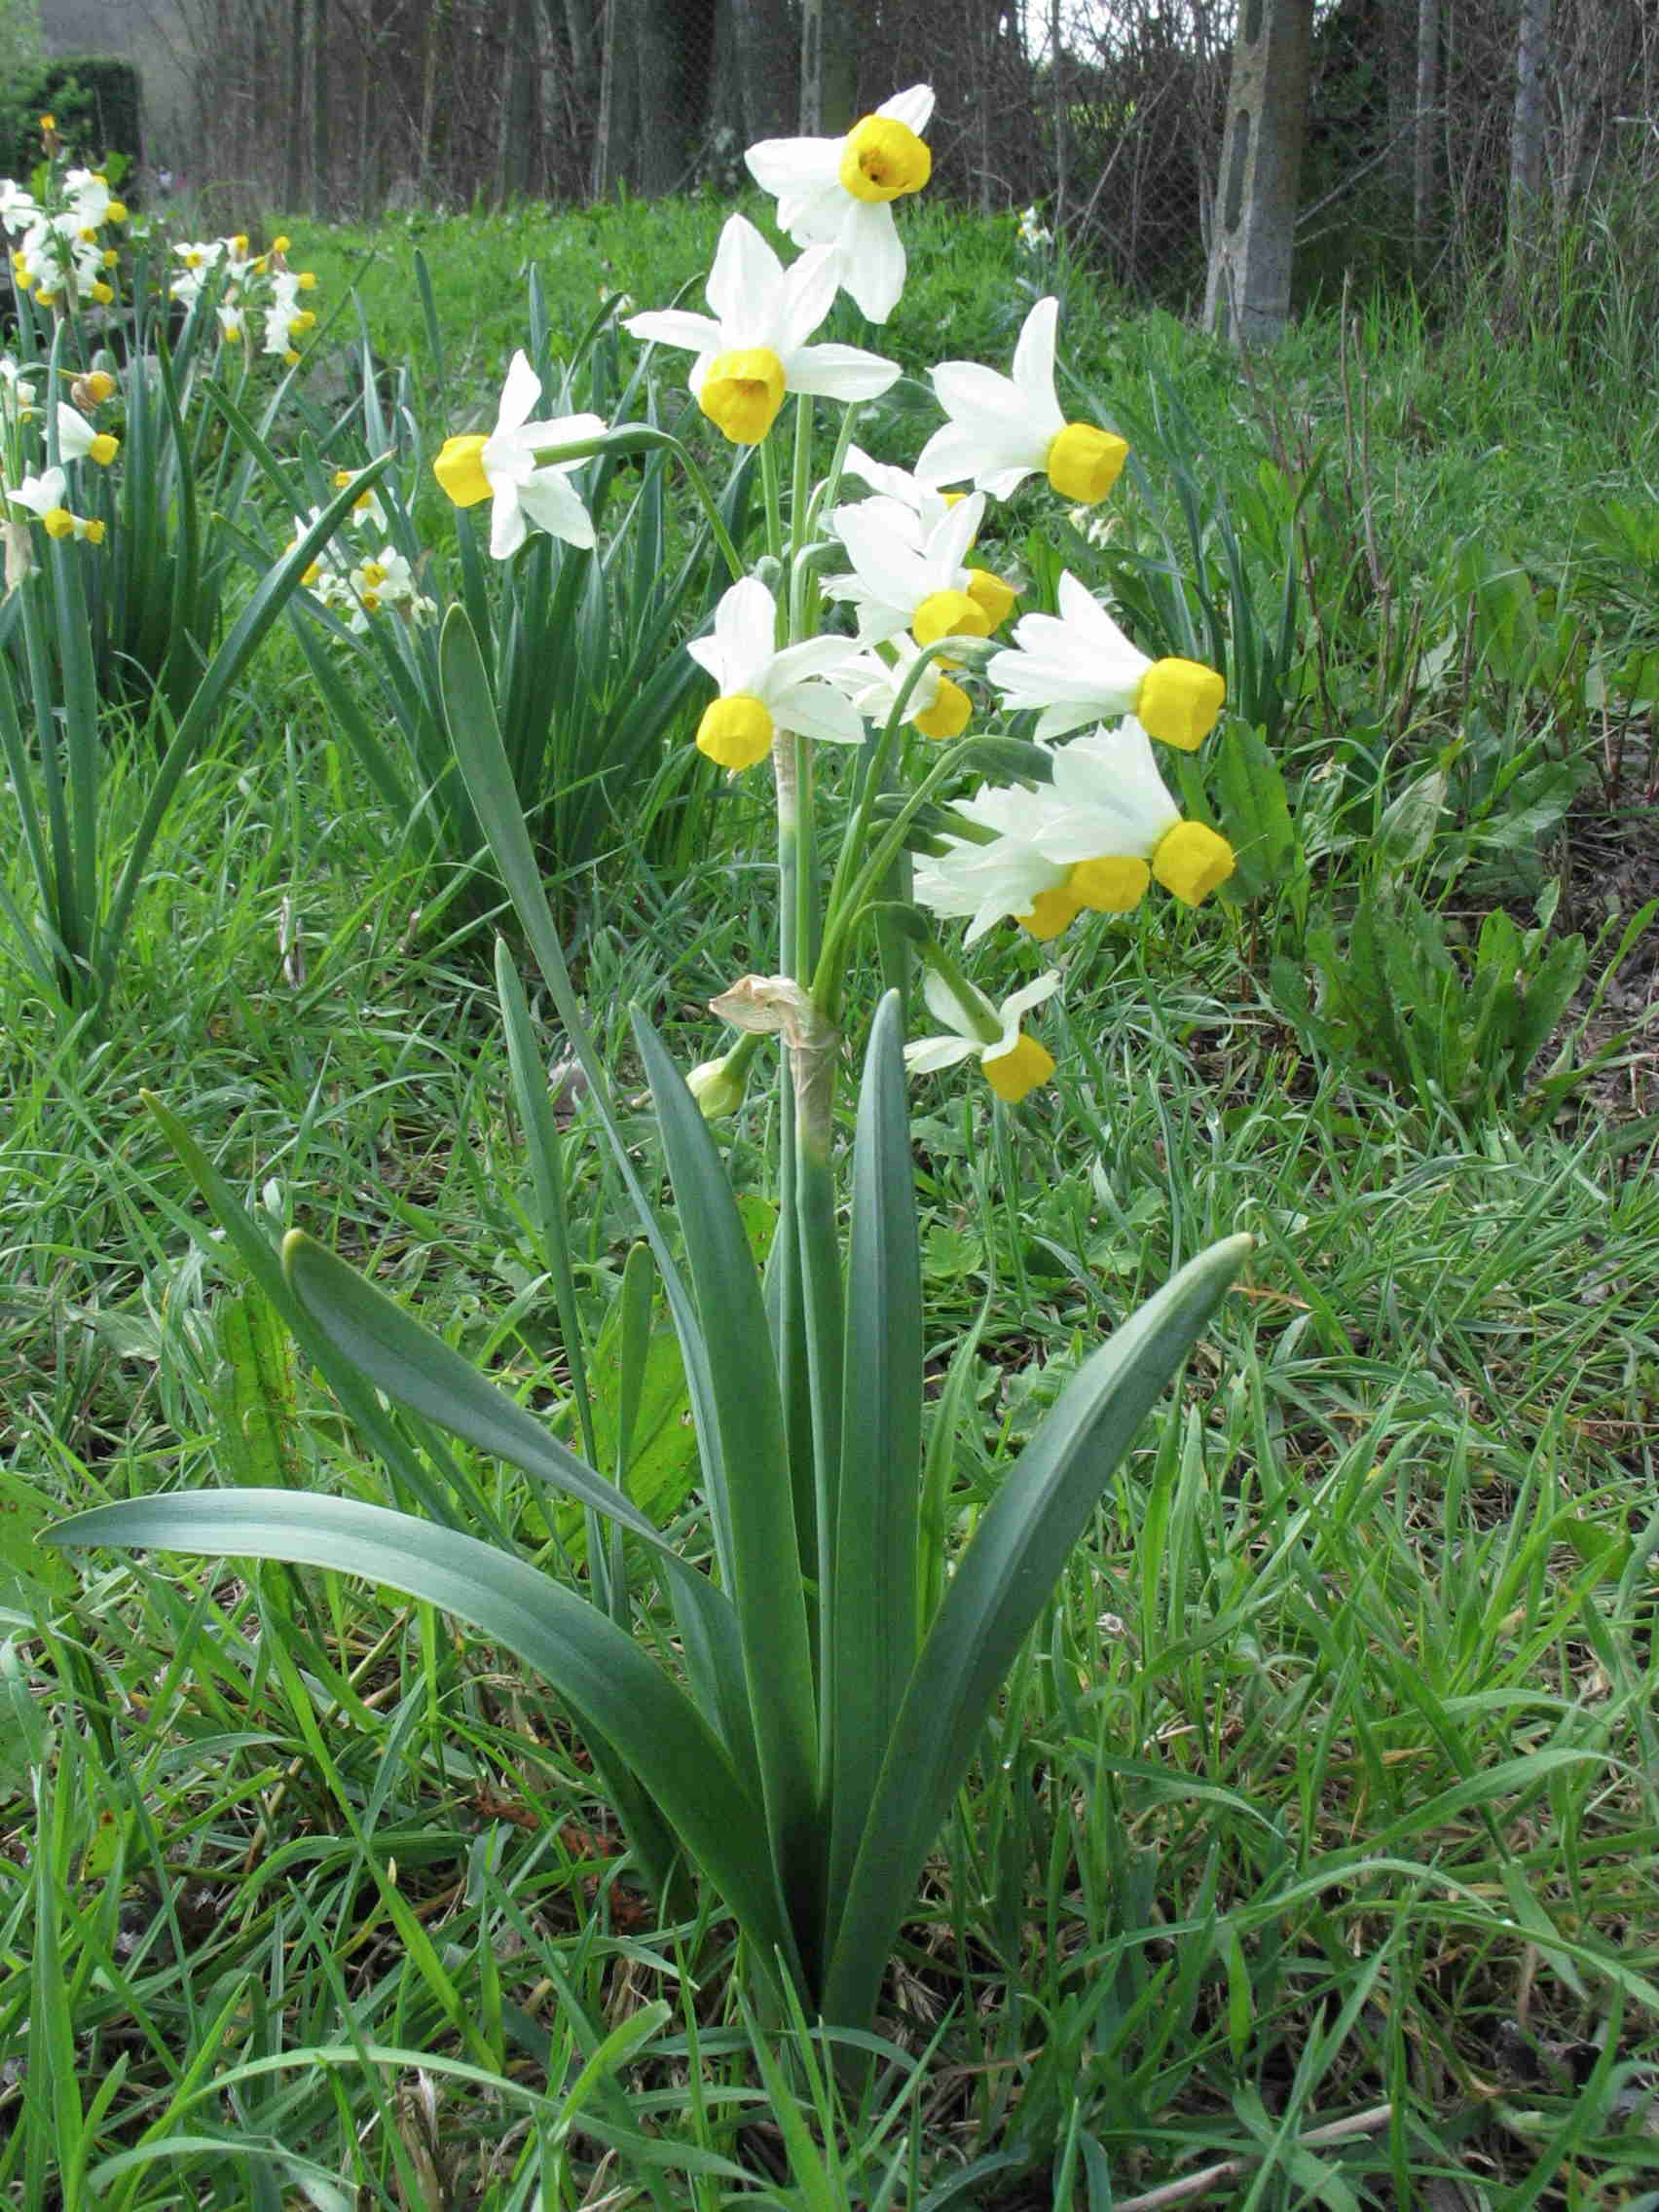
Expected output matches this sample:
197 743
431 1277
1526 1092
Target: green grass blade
873 1606
602 1673
1005 1579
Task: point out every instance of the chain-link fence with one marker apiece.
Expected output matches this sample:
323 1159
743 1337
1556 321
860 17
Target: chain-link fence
1429 123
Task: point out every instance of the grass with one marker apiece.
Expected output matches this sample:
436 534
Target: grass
1324 1797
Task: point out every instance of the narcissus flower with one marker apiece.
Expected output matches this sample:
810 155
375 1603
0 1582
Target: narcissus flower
1003 430
753 349
839 191
764 690
938 707
77 440
1078 667
44 497
503 467
907 577
1092 840
1012 1064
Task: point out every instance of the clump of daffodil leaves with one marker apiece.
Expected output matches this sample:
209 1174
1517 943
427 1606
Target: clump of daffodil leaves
833 1667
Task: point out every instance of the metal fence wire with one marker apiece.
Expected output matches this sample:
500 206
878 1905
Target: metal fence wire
1428 122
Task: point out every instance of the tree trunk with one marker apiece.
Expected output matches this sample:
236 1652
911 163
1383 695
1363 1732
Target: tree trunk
518 107
673 44
1248 295
1526 118
1400 25
768 68
319 108
1423 165
812 68
293 144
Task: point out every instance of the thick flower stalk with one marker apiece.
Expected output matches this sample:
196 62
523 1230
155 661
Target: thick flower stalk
506 468
754 348
1077 667
839 193
764 689
1003 430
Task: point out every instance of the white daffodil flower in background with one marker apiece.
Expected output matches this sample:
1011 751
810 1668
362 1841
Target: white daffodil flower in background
753 348
44 496
367 513
764 688
906 576
503 467
1078 667
996 872
77 440
1003 430
838 193
1011 1064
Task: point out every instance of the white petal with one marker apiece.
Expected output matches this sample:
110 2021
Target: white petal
676 326
819 711
744 284
871 258
1029 995
808 294
945 1005
508 528
812 657
553 507
562 431
970 389
930 1053
795 165
519 394
840 372
745 630
1034 356
914 108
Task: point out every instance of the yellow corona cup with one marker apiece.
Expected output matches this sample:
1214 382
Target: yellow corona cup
1178 701
459 470
1084 463
1191 860
884 159
736 731
742 393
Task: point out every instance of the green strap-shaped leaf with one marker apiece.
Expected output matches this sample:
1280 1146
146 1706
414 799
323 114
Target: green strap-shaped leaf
874 1630
766 1587
1006 1576
469 710
605 1679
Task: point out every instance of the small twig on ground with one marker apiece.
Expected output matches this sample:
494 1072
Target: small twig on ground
1200 2184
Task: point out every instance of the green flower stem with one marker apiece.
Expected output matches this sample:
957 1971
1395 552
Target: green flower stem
846 909
973 1003
643 437
803 598
770 493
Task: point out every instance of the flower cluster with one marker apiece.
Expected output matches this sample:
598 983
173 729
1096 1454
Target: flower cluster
61 249
36 478
259 296
1086 826
352 581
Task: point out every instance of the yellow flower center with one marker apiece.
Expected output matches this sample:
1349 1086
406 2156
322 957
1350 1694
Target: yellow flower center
948 715
459 470
310 575
103 293
736 731
1051 911
281 242
1084 463
110 257
993 594
101 385
103 449
1178 701
307 280
57 522
742 393
1191 860
93 532
373 573
949 614
1109 885
1011 1073
882 159
116 211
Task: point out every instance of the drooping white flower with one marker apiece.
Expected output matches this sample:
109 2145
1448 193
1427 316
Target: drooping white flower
1003 430
764 688
77 440
754 348
503 467
1011 1064
1078 667
838 193
938 707
905 576
44 497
